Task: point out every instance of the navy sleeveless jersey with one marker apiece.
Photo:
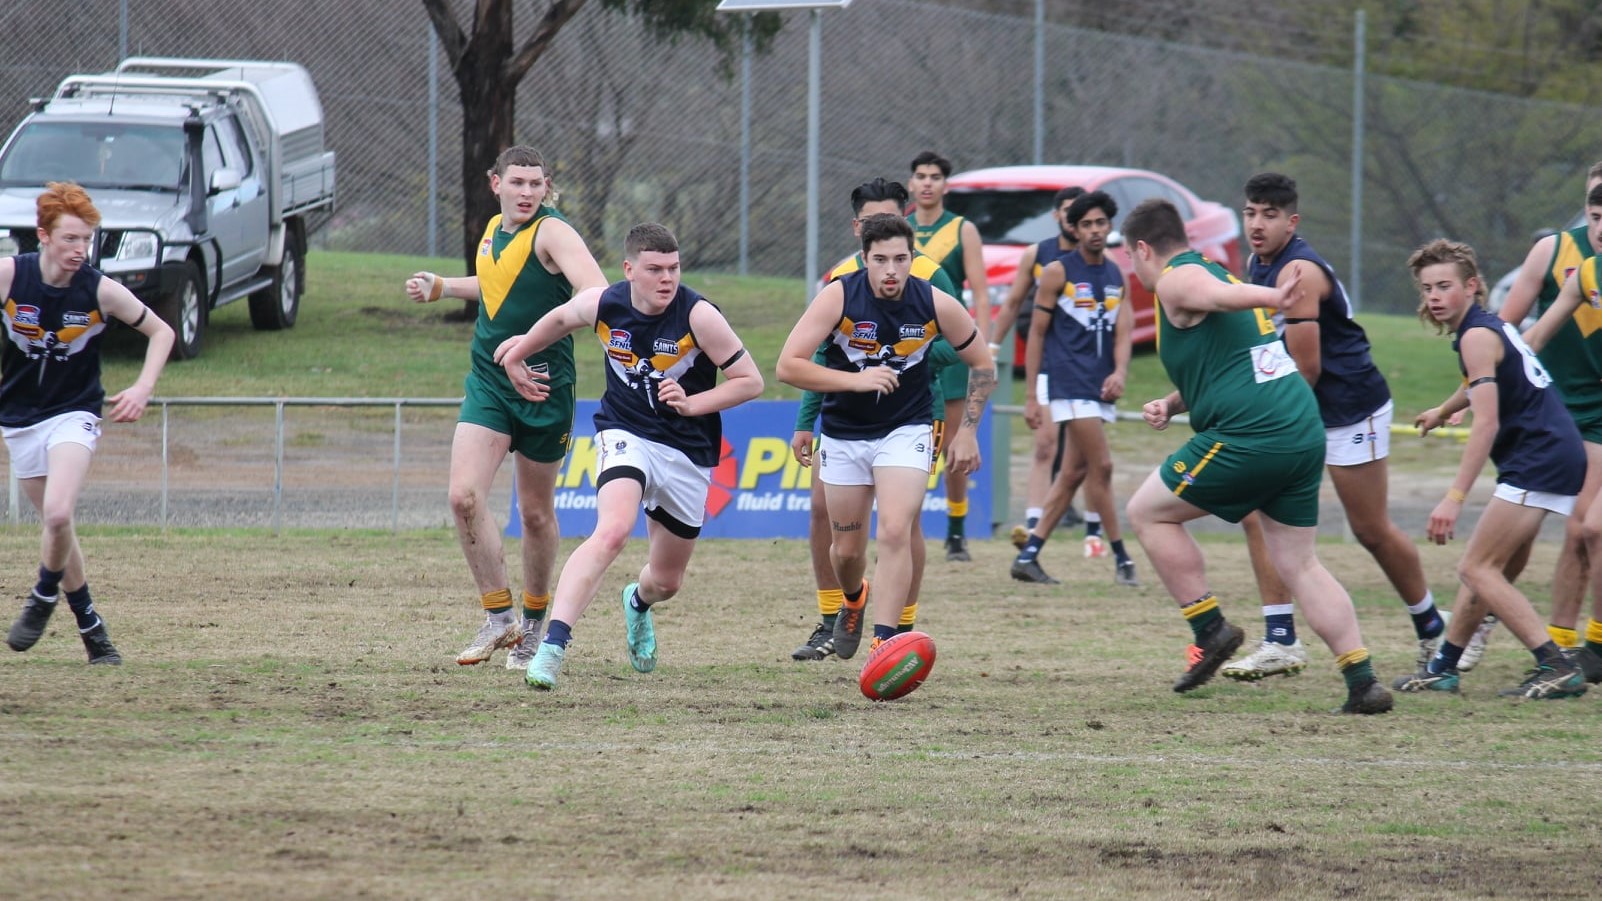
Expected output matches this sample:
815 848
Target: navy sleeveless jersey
1047 252
1078 353
1537 446
1350 387
51 361
875 332
641 351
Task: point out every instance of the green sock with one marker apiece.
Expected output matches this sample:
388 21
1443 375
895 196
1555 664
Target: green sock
1358 673
1203 615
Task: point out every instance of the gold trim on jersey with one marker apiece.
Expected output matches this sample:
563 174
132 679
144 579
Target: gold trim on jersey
943 241
1588 315
29 336
866 349
922 267
498 273
669 357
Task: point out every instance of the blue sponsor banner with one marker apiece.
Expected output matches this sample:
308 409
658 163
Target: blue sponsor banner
758 489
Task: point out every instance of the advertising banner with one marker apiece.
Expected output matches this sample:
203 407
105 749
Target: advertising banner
758 489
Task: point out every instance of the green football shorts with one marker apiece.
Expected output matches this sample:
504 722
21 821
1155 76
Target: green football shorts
539 431
1230 480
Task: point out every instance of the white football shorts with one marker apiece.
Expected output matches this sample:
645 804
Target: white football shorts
1364 441
30 445
851 462
673 484
1561 504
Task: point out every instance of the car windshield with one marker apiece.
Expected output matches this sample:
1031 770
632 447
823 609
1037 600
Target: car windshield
1006 217
96 155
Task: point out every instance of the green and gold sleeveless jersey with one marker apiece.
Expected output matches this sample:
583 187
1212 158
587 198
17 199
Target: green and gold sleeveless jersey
515 290
1566 356
1235 374
942 242
1588 315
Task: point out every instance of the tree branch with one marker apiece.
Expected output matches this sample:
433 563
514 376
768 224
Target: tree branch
556 15
449 31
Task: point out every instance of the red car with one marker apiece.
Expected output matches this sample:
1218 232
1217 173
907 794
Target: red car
1011 205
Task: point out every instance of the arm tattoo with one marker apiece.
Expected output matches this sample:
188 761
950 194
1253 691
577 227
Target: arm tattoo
846 526
980 383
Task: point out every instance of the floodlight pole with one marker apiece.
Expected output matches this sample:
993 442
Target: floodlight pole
433 142
814 91
1355 292
745 146
1040 82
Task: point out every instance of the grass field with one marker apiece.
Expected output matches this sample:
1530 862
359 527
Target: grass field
290 723
358 336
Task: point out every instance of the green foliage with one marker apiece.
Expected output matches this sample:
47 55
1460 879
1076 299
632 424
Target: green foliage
671 19
1533 48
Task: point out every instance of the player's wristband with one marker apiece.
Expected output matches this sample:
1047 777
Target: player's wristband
1452 494
995 348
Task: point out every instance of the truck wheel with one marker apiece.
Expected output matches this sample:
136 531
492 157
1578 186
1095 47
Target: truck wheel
184 308
276 306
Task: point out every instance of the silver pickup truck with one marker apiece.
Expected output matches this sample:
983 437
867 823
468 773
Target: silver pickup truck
208 175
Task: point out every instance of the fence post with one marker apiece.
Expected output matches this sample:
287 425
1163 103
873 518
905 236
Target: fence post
165 407
394 502
278 468
1001 439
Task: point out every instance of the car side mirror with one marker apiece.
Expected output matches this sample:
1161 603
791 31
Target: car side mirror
224 180
1115 238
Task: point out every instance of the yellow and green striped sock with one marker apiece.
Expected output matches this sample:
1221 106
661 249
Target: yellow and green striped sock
829 601
1563 638
534 606
956 518
1593 636
1356 668
497 601
909 617
1202 614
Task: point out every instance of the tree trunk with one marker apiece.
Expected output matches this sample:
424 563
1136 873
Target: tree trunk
489 104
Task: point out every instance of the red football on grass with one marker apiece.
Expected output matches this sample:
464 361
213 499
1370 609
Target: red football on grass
898 666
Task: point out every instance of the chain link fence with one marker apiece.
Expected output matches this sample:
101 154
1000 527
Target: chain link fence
638 128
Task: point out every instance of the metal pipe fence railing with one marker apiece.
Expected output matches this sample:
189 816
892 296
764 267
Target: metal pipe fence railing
278 404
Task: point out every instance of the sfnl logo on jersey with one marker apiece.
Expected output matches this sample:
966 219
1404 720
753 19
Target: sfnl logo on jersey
865 336
619 346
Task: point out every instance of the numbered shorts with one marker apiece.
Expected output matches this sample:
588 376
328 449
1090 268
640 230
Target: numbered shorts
539 431
1231 480
673 489
29 445
1364 441
851 462
1561 504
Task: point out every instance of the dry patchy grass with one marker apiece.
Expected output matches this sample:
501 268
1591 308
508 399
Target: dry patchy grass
290 722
